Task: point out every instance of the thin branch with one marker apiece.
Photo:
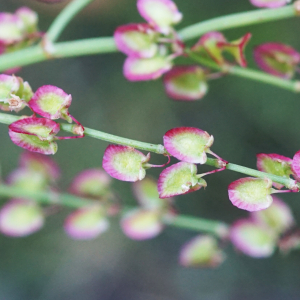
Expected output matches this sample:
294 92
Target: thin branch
54 198
65 16
159 149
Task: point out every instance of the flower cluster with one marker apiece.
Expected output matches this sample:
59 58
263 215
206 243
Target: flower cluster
18 30
254 194
189 145
22 216
151 48
30 132
258 235
269 3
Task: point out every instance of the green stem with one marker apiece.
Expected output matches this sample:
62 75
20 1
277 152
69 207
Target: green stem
36 54
159 149
237 20
53 198
291 85
65 16
192 223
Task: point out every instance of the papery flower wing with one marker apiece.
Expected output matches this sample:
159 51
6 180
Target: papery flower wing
140 224
185 83
141 69
250 193
188 144
136 40
124 163
20 218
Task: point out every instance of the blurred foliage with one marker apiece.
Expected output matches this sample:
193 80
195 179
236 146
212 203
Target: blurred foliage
245 118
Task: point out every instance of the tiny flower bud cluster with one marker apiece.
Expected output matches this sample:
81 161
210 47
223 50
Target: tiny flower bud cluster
33 133
151 46
18 30
22 216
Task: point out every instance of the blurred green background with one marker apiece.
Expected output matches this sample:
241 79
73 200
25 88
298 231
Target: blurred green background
245 118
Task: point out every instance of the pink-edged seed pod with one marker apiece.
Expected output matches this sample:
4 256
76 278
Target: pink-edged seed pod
19 218
278 217
124 163
91 183
142 224
51 102
35 134
201 251
188 144
29 18
277 59
253 239
274 164
269 3
12 29
147 195
178 179
236 49
86 223
141 69
40 164
186 83
136 40
28 180
250 193
161 14
207 44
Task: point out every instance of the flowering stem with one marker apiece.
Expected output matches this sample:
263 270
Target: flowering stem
238 20
192 223
54 198
65 16
159 149
291 85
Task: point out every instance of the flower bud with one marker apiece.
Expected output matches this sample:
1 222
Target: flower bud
250 193
185 83
188 144
141 224
274 164
277 59
278 217
13 92
20 218
136 40
86 223
179 179
91 183
35 134
124 163
51 102
269 3
140 69
161 14
201 251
